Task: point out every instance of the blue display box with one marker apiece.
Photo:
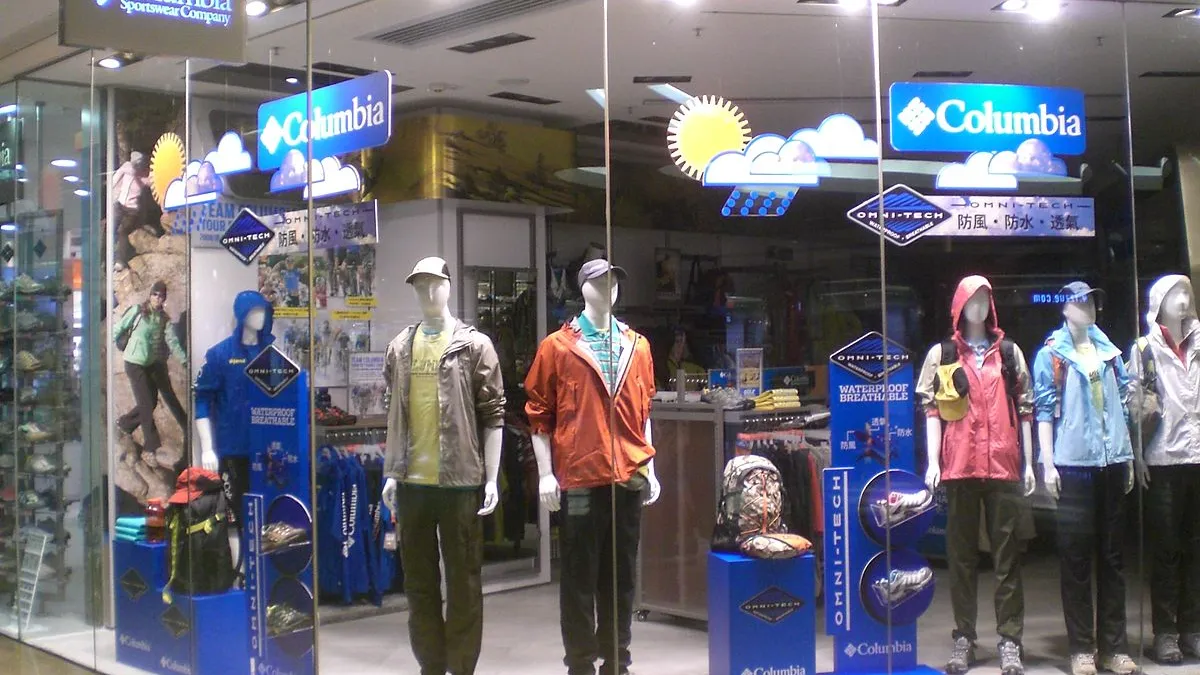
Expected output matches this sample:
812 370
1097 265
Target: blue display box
161 637
761 615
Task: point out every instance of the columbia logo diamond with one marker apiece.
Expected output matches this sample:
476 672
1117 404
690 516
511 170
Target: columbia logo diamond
917 116
851 650
747 672
272 135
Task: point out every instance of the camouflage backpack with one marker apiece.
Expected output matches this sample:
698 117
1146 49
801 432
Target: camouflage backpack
750 513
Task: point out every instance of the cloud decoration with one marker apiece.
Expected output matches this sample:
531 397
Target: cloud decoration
292 175
230 156
1032 158
839 136
338 179
768 160
200 184
974 174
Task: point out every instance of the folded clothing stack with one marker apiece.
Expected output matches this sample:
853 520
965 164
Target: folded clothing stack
131 529
777 399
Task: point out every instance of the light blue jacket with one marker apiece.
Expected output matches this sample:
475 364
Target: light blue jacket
1082 436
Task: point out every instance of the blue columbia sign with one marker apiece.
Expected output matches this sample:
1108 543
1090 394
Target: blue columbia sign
346 117
957 117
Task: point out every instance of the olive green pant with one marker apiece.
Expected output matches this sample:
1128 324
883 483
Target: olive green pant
430 516
999 504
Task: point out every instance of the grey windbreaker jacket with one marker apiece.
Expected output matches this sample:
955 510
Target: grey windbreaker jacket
1177 440
471 397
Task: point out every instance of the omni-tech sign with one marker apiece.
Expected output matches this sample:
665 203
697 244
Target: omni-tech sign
346 117
957 117
214 29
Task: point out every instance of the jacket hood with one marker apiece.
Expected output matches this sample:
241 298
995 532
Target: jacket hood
1064 344
967 288
1158 292
243 304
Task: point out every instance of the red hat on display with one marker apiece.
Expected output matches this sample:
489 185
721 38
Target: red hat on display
192 482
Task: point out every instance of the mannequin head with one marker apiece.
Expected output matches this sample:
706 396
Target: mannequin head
1080 314
433 295
598 296
1177 304
975 312
256 319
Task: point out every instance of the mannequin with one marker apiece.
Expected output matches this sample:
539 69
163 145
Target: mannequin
1081 386
1166 368
222 417
975 388
589 398
445 430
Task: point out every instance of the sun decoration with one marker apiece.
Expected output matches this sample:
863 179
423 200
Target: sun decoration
702 128
167 163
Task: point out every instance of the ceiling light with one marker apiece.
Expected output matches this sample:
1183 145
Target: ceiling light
670 92
256 8
10 109
597 96
64 163
1183 13
110 63
8 227
71 179
292 80
1013 5
853 4
1043 10
81 193
19 167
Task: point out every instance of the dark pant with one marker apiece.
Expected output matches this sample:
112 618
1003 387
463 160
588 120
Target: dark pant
596 591
1090 520
1172 505
427 515
147 383
999 502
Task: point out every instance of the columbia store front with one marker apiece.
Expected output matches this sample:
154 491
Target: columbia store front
650 337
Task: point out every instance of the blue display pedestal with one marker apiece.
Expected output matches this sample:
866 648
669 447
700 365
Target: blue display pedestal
161 637
761 615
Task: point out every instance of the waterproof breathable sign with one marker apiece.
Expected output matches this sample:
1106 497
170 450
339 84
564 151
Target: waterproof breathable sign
346 117
207 29
873 500
960 117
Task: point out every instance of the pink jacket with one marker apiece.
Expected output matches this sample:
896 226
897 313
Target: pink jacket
985 443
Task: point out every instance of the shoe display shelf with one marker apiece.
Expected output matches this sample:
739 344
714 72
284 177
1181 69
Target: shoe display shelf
39 413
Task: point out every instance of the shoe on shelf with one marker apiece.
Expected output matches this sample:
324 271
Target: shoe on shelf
279 535
899 507
39 464
34 433
1189 644
27 286
32 501
962 657
900 585
7 461
1010 658
283 619
1083 664
27 362
1121 664
1166 649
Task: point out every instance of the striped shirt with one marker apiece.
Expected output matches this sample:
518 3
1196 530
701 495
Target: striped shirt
605 346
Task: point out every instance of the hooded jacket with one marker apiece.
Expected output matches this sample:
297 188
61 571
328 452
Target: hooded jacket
1082 435
471 397
569 400
985 443
222 385
1177 440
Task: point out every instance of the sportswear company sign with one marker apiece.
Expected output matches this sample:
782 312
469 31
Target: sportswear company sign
212 29
776 670
346 117
957 117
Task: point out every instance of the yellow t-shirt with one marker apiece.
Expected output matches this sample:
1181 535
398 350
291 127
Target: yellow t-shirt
424 412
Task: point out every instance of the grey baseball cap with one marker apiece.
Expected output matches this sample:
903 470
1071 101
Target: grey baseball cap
432 265
593 269
1080 291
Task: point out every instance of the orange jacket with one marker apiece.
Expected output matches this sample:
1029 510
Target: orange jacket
569 401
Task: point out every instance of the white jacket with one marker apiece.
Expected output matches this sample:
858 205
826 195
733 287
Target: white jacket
1177 440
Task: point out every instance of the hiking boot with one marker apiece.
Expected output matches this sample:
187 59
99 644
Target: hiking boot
1166 649
27 363
34 433
1121 664
962 657
1189 644
281 535
898 507
283 619
26 285
31 501
1010 658
901 585
40 465
1083 664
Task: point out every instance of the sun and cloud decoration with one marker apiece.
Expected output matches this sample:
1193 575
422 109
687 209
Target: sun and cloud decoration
710 140
329 176
176 185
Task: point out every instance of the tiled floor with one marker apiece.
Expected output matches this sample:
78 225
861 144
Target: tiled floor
16 659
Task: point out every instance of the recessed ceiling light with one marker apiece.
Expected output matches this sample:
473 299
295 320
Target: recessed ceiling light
10 109
8 227
598 96
256 8
81 193
71 179
110 63
1183 13
1043 10
1013 6
292 80
64 163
